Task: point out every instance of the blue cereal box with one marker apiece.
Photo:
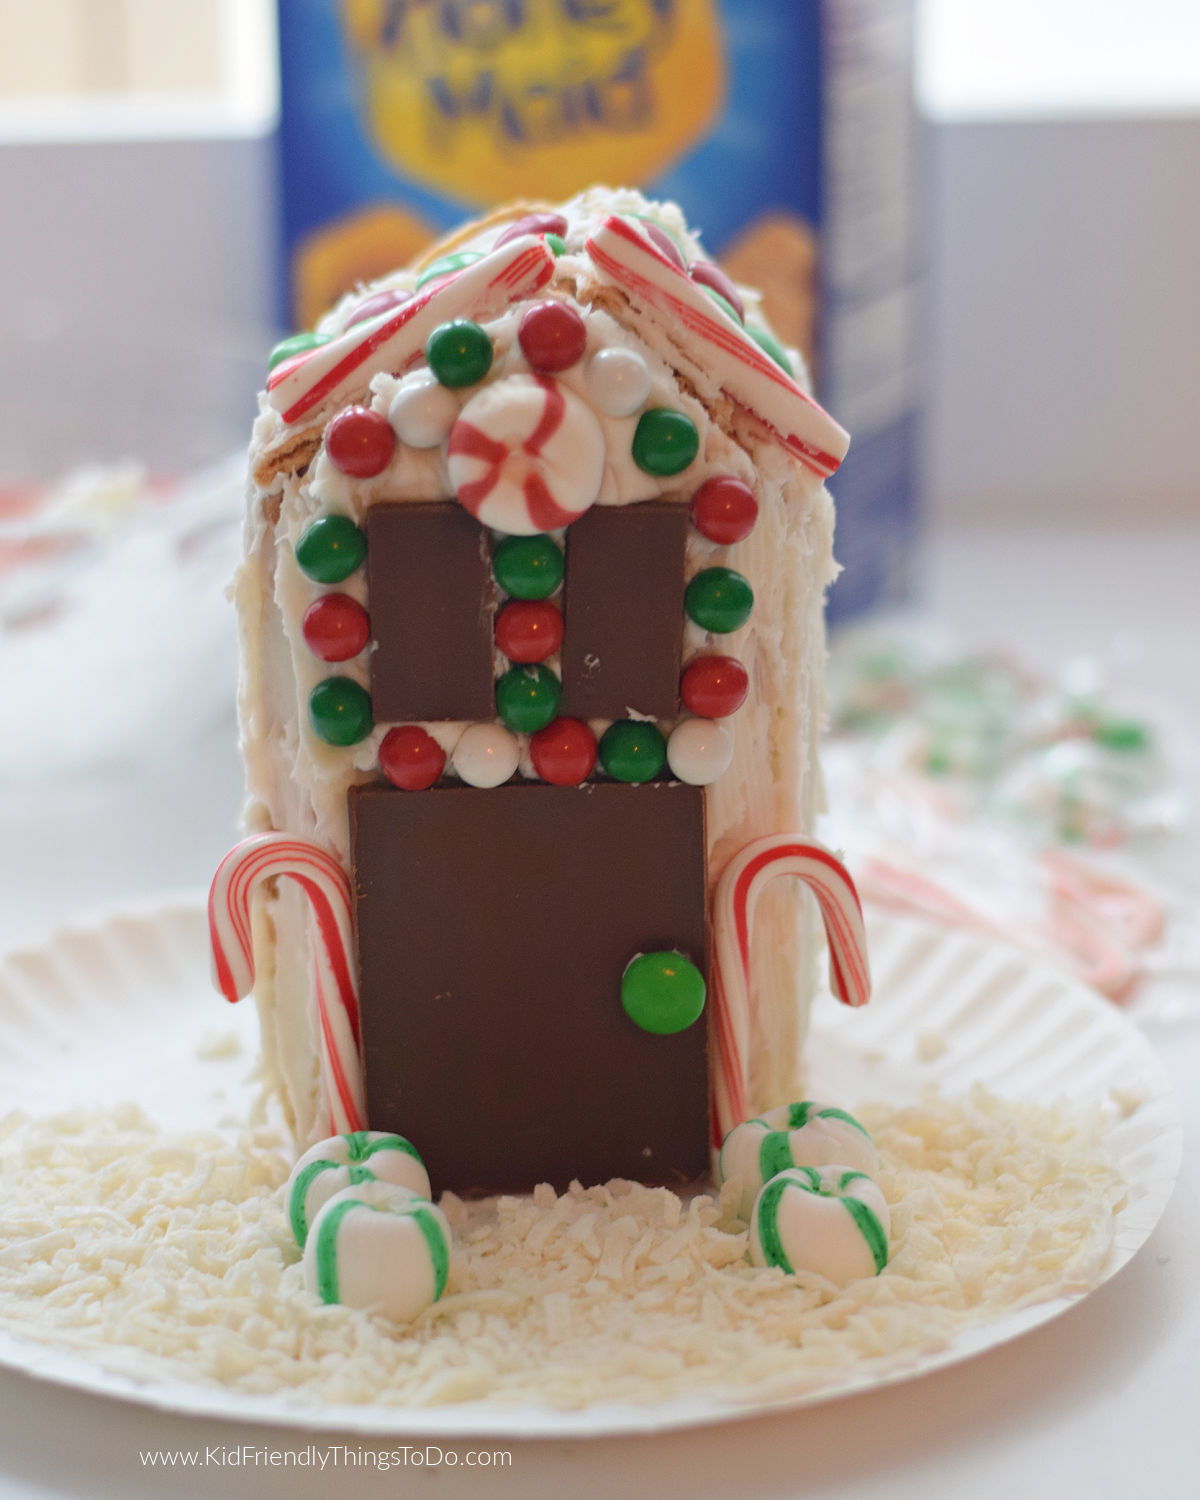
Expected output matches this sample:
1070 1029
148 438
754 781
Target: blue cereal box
782 127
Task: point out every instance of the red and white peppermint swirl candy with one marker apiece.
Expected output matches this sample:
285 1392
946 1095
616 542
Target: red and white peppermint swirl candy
394 339
526 455
264 857
626 255
738 890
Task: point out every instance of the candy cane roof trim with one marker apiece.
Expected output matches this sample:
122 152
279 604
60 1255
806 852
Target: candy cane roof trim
610 260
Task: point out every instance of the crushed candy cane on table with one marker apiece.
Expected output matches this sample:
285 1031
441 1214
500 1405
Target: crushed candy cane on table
974 791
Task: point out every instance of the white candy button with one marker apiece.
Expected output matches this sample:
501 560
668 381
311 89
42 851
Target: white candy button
486 754
617 381
380 1247
345 1161
831 1220
699 751
422 411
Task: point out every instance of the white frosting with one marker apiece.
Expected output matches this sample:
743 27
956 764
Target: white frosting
803 1227
379 1257
699 750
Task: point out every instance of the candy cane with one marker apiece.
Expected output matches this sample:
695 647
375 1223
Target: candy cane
628 257
391 340
325 883
738 890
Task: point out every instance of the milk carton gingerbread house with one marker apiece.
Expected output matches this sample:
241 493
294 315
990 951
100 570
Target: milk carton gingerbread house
532 627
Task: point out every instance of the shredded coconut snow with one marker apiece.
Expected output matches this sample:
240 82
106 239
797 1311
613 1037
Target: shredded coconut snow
163 1255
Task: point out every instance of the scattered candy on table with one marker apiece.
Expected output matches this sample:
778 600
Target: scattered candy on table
833 1221
806 1134
380 1247
348 1161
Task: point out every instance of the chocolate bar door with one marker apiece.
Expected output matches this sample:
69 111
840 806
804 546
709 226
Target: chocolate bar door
494 926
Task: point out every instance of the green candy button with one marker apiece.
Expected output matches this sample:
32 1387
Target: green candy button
459 353
331 548
665 442
631 750
720 600
528 567
527 698
299 343
556 243
769 344
447 264
663 993
340 711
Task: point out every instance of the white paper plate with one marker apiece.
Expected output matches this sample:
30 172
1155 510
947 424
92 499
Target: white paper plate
122 1009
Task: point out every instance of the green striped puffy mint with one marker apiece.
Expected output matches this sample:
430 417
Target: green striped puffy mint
345 1161
807 1134
380 1248
832 1220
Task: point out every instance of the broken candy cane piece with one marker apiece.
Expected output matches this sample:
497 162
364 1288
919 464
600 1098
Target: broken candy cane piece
624 254
392 340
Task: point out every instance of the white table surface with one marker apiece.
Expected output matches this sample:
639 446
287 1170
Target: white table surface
1102 1402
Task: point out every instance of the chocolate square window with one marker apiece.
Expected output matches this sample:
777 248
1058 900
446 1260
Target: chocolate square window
623 611
430 601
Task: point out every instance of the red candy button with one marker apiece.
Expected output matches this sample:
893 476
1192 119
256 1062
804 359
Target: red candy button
713 687
411 758
360 442
705 273
564 753
336 627
381 302
724 509
552 337
529 630
533 224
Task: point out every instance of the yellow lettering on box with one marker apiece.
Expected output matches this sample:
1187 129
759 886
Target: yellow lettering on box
496 99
